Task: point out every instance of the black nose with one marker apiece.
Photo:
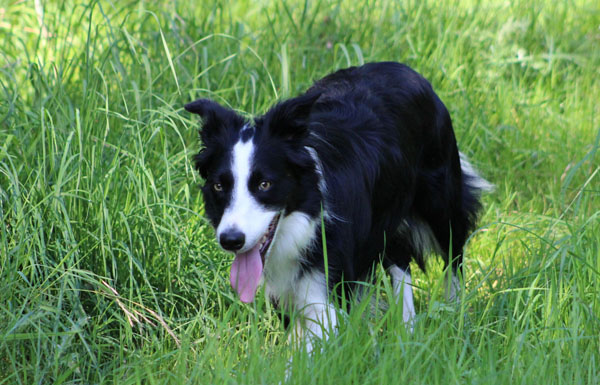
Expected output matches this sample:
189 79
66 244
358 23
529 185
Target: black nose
232 240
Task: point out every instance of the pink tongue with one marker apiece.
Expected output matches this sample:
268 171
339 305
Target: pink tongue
245 273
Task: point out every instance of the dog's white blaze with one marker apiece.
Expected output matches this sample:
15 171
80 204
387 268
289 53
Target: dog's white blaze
402 283
318 318
296 232
475 180
244 213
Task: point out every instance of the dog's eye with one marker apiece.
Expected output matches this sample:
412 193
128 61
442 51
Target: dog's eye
218 187
265 185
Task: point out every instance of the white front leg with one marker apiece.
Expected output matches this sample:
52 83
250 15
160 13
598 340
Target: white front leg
317 316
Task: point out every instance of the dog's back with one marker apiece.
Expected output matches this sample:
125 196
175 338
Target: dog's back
392 170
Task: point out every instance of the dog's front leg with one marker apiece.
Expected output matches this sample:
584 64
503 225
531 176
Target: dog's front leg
317 317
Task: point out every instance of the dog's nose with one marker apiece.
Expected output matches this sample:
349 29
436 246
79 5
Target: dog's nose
232 240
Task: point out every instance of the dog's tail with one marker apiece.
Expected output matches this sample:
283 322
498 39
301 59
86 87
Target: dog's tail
472 180
473 186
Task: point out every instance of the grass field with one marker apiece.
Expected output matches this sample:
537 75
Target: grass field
109 273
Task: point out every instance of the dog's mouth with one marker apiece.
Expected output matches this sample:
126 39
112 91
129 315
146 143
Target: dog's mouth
247 266
267 239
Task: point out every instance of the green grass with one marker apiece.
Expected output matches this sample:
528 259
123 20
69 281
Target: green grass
109 272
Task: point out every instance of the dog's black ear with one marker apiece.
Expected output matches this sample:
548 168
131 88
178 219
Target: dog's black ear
202 162
214 116
289 119
206 108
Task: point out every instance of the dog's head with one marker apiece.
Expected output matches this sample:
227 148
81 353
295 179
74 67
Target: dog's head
256 174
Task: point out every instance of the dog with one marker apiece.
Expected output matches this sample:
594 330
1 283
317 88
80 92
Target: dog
363 168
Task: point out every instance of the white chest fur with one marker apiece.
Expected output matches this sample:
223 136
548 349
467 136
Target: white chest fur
295 234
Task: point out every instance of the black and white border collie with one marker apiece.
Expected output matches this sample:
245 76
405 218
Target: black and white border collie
370 152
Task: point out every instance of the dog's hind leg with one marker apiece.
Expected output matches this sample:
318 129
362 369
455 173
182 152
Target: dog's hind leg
452 286
402 284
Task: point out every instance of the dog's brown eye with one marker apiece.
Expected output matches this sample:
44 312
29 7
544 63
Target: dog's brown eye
264 185
218 187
